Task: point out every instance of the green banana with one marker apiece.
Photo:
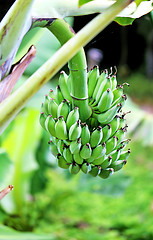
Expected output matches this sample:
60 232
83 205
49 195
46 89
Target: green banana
72 118
118 165
75 146
75 131
51 94
111 144
103 87
85 134
100 81
114 81
60 129
67 155
53 148
120 134
106 163
115 155
59 95
106 173
63 86
118 92
99 160
45 104
63 109
107 130
86 151
62 163
124 155
93 75
98 151
96 137
60 146
50 125
77 158
74 168
107 117
86 167
42 119
123 144
69 82
115 125
105 100
95 171
52 108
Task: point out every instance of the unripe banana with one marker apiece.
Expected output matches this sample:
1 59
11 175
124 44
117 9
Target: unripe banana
77 158
60 146
95 171
107 117
85 134
42 109
123 144
69 83
120 134
114 82
63 86
86 151
53 148
118 92
45 104
52 108
111 144
123 99
106 163
75 146
62 163
75 131
63 109
50 125
67 155
115 155
105 100
107 130
124 155
106 84
59 95
74 168
98 151
86 167
93 75
100 80
106 173
42 119
60 129
98 161
115 125
72 118
96 137
51 94
118 165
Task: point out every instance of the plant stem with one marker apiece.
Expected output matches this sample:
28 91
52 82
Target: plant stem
15 102
78 69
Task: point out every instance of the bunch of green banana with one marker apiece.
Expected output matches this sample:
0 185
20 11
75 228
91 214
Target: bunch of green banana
97 146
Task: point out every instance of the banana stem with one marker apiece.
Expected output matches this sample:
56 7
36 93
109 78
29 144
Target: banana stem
15 102
77 66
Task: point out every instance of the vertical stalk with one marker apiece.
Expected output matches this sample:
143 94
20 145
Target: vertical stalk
77 66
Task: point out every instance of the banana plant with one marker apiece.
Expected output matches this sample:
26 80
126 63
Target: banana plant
24 15
81 85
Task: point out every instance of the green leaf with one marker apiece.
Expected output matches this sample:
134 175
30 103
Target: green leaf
61 9
124 20
5 167
21 144
82 2
13 27
9 234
